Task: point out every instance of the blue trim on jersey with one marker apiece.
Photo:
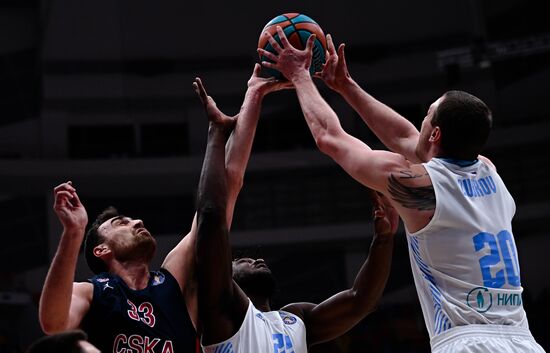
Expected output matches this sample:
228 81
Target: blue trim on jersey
441 321
460 162
224 348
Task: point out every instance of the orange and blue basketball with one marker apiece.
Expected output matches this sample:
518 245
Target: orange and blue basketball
297 28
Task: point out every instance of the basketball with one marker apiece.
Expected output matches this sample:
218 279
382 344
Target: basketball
297 27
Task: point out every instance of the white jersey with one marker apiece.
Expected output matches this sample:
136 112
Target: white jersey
265 332
464 261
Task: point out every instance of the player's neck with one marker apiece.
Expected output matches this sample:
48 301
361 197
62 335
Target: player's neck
134 274
260 303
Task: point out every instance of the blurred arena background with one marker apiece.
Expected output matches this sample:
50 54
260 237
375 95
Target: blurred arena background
99 92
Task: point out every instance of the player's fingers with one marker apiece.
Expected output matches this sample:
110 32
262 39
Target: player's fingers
267 54
330 45
257 70
76 200
269 65
62 197
274 44
310 42
200 90
63 187
341 53
282 37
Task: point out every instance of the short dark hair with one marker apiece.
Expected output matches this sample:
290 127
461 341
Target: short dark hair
465 122
93 239
64 342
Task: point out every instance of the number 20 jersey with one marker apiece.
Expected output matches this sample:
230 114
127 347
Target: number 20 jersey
464 261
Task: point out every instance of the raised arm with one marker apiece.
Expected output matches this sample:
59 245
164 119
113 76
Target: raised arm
389 173
341 312
180 261
239 145
63 303
221 304
395 132
371 168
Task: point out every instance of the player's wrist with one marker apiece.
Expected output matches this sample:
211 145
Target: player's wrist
216 129
74 228
257 91
300 77
345 85
73 236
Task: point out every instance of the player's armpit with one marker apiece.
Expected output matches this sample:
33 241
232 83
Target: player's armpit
81 300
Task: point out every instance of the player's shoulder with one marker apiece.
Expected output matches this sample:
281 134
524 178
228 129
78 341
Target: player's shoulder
84 290
83 286
487 161
298 309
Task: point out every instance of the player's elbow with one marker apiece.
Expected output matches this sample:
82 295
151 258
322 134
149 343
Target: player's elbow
210 218
326 143
363 305
210 213
50 327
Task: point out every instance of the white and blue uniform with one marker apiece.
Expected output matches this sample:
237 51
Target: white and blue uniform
265 332
465 263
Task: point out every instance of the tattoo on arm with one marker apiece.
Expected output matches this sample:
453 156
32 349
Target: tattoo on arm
421 198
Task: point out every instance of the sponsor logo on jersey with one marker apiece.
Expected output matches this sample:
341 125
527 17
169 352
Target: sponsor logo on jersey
287 319
102 280
482 299
107 286
260 316
158 278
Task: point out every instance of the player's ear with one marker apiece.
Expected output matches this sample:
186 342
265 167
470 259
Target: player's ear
101 249
435 136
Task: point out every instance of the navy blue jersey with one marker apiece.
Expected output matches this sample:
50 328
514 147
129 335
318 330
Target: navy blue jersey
151 320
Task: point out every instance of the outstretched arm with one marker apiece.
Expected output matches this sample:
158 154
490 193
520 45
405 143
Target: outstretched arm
371 168
221 305
340 313
240 142
389 173
63 303
395 132
180 261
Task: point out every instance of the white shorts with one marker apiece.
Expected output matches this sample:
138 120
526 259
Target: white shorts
485 339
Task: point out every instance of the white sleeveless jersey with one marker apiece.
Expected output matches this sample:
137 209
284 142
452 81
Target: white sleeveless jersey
269 332
464 261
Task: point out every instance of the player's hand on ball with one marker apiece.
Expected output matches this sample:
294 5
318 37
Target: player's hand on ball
288 60
335 70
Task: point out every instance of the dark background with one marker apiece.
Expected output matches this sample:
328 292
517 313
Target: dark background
99 92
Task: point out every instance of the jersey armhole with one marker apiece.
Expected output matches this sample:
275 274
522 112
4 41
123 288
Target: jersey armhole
435 216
